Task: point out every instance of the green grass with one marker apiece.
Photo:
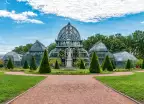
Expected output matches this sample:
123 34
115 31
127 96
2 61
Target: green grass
12 85
132 85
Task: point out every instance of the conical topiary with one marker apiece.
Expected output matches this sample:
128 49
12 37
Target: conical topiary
128 64
107 64
82 65
10 64
26 66
142 64
94 65
45 67
113 64
57 65
33 65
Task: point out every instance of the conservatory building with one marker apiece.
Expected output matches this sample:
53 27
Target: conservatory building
69 38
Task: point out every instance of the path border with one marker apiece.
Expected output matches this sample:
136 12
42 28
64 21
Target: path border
10 101
137 102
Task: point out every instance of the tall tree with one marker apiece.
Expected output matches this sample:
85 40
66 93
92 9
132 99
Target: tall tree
45 67
33 65
10 64
107 64
94 65
26 66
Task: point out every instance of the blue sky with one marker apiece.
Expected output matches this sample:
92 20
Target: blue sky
24 21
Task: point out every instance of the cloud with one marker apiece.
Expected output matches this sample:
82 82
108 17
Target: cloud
87 10
142 22
20 17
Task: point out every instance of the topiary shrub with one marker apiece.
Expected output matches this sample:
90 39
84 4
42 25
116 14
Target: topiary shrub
26 66
53 60
107 64
57 65
128 64
45 67
10 64
82 65
33 65
94 65
142 64
113 64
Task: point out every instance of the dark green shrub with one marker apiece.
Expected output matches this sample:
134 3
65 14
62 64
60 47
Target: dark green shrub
94 65
45 67
107 64
57 65
10 64
82 65
33 65
26 66
128 64
142 64
113 64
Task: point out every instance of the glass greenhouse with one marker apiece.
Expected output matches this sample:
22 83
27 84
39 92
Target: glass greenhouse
69 37
37 51
101 51
15 57
122 57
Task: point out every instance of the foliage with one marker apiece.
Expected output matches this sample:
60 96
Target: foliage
45 67
1 63
33 65
51 47
82 65
107 64
94 65
143 64
139 62
62 54
26 66
57 65
22 49
128 64
10 64
113 64
132 85
78 62
52 61
13 85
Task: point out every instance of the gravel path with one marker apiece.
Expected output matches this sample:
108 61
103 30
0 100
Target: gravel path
71 89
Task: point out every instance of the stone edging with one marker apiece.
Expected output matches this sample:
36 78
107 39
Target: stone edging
10 102
137 102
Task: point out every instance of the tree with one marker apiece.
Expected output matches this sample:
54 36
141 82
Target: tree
142 64
45 67
107 64
26 66
51 46
94 65
82 65
128 64
33 65
57 65
10 64
113 64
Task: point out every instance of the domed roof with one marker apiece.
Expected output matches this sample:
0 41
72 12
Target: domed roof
69 32
124 56
13 55
37 47
99 47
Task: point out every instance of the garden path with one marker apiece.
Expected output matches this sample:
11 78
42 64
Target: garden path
71 89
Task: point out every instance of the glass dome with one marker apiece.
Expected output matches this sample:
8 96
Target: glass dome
99 47
15 57
69 32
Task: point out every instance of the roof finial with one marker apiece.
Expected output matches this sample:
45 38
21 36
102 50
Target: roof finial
69 23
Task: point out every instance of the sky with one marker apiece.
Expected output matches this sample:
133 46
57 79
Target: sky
25 21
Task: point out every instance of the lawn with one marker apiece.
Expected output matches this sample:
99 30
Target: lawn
132 85
11 85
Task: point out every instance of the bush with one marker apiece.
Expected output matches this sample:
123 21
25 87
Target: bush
139 63
142 64
107 64
26 66
113 64
10 64
128 64
82 65
1 63
57 65
52 62
94 65
45 67
33 65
